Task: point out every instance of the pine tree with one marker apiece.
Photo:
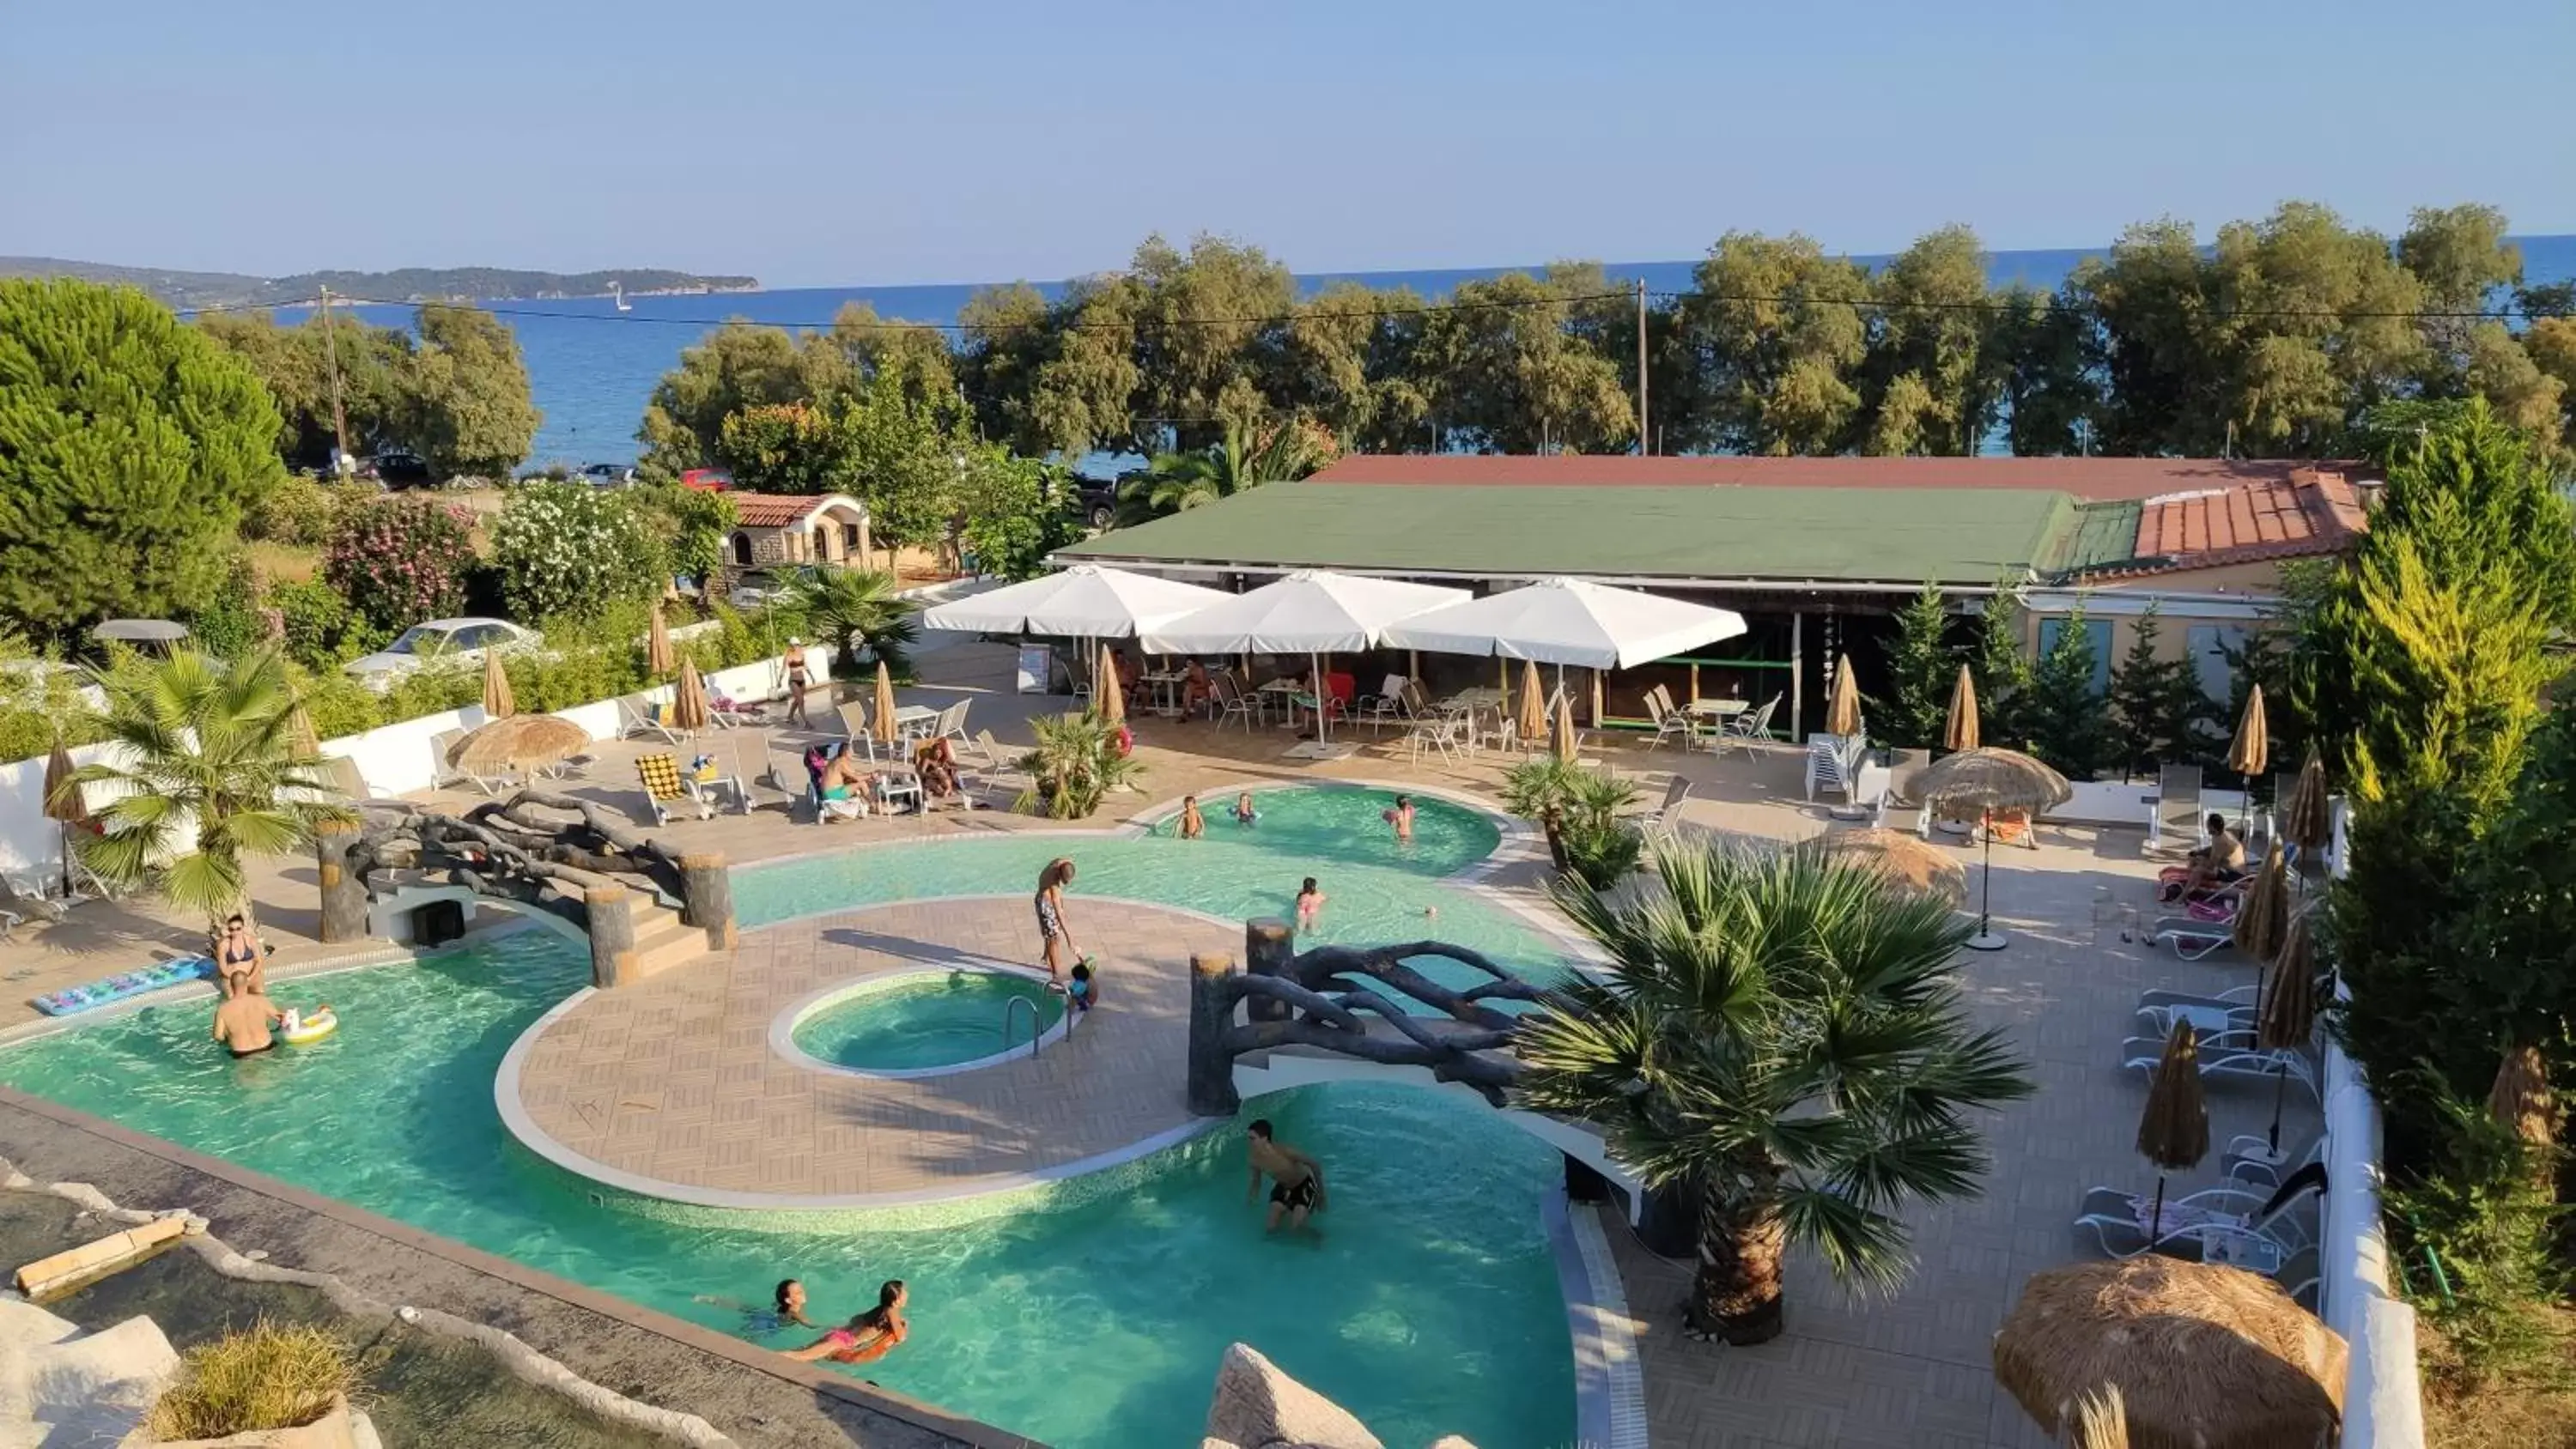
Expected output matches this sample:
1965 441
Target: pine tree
2002 670
2062 715
1920 672
2153 700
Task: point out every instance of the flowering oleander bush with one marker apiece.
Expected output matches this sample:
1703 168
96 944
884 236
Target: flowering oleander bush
400 560
565 551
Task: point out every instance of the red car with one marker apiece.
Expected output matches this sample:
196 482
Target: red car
712 480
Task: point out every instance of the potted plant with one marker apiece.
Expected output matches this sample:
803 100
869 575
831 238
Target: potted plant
1080 758
280 1387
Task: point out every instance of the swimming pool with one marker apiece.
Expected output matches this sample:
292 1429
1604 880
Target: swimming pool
1429 1305
920 1021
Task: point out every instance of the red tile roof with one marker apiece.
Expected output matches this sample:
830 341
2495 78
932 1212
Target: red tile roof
776 510
2311 514
2094 479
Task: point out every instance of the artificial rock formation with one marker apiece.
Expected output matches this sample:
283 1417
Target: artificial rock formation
59 1385
1258 1407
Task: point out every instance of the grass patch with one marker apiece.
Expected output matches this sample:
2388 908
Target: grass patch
269 1376
2530 1408
284 563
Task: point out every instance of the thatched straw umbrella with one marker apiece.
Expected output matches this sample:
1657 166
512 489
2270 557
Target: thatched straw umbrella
497 702
2264 913
65 805
517 743
2173 1132
2202 1357
1530 716
689 700
2288 1014
1906 860
1108 695
2520 1101
657 645
2250 752
881 728
1842 716
2307 817
1562 737
1980 782
1959 732
301 741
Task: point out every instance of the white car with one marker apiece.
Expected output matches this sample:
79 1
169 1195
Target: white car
440 641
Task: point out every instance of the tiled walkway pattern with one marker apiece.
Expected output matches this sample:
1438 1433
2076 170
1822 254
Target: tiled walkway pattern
675 1079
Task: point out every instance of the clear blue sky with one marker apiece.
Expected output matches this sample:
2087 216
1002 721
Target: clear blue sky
829 141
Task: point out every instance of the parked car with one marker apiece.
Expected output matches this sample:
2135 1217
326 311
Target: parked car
1098 501
755 588
607 475
713 480
440 641
398 468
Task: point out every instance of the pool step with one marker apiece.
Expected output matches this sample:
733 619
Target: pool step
663 941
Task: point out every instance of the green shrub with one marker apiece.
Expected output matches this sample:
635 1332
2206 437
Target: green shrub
1579 811
569 551
1075 766
322 631
433 689
400 560
296 513
2476 1237
267 1377
37 701
336 703
229 626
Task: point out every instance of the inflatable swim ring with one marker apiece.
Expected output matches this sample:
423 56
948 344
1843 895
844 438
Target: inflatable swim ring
310 1028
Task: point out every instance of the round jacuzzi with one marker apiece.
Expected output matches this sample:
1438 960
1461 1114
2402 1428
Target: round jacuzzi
924 1023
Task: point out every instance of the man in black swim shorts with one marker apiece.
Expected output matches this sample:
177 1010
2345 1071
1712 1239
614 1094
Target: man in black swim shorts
1297 1181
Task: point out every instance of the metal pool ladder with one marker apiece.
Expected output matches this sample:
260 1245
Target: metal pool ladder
1037 1024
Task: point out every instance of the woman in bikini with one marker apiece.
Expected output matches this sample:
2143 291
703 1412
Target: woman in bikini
238 958
796 678
1058 941
869 1337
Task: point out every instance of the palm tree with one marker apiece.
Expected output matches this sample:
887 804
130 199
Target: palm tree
1075 766
1284 450
1782 1043
847 607
203 762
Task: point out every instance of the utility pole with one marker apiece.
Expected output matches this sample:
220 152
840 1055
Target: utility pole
1644 446
339 415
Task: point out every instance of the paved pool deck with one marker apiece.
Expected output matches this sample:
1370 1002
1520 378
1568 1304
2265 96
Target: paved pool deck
677 1088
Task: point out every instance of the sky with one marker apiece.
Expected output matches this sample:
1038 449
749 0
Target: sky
822 142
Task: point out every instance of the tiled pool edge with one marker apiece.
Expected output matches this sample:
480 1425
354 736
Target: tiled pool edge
1609 1371
927 1417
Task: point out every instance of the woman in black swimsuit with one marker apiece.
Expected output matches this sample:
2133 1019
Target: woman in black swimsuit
796 684
1056 940
237 958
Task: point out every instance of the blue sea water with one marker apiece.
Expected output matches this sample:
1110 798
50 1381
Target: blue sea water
593 367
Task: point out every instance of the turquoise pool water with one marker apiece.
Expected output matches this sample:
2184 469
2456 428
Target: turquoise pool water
926 1020
1347 824
1429 1304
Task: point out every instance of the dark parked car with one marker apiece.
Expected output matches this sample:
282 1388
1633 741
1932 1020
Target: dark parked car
398 468
1099 501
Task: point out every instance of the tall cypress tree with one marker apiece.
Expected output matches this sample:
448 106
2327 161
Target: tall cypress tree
1920 670
2153 699
2063 714
2002 670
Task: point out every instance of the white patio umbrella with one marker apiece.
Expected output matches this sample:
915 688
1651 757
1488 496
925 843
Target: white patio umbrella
1085 602
1569 621
1312 612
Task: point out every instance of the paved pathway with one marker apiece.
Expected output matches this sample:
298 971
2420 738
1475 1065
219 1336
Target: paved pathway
675 1079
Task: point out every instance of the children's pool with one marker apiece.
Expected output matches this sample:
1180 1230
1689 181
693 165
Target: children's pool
927 1019
1429 1304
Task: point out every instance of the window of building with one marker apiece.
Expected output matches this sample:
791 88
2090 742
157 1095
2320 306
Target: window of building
2213 647
2097 630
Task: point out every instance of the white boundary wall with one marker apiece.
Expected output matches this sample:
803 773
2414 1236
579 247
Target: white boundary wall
393 760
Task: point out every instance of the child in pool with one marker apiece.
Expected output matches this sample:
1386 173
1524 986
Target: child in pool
867 1337
1244 814
1401 817
1193 825
1084 990
788 1308
1309 901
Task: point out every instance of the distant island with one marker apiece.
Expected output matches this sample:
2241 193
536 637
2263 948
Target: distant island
409 284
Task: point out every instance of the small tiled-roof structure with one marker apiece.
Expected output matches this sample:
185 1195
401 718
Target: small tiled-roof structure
2093 479
773 529
2311 513
781 510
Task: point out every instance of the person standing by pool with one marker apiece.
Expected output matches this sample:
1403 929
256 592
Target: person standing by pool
1401 817
1297 1181
1052 932
796 677
1193 825
870 1336
243 1019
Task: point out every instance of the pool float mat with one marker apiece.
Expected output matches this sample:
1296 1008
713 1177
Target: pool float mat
130 983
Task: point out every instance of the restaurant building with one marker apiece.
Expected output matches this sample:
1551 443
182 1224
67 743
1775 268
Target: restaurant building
1817 554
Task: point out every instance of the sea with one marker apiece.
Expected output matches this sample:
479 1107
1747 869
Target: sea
593 367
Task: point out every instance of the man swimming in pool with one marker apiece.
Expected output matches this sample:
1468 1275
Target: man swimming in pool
243 1020
1297 1181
